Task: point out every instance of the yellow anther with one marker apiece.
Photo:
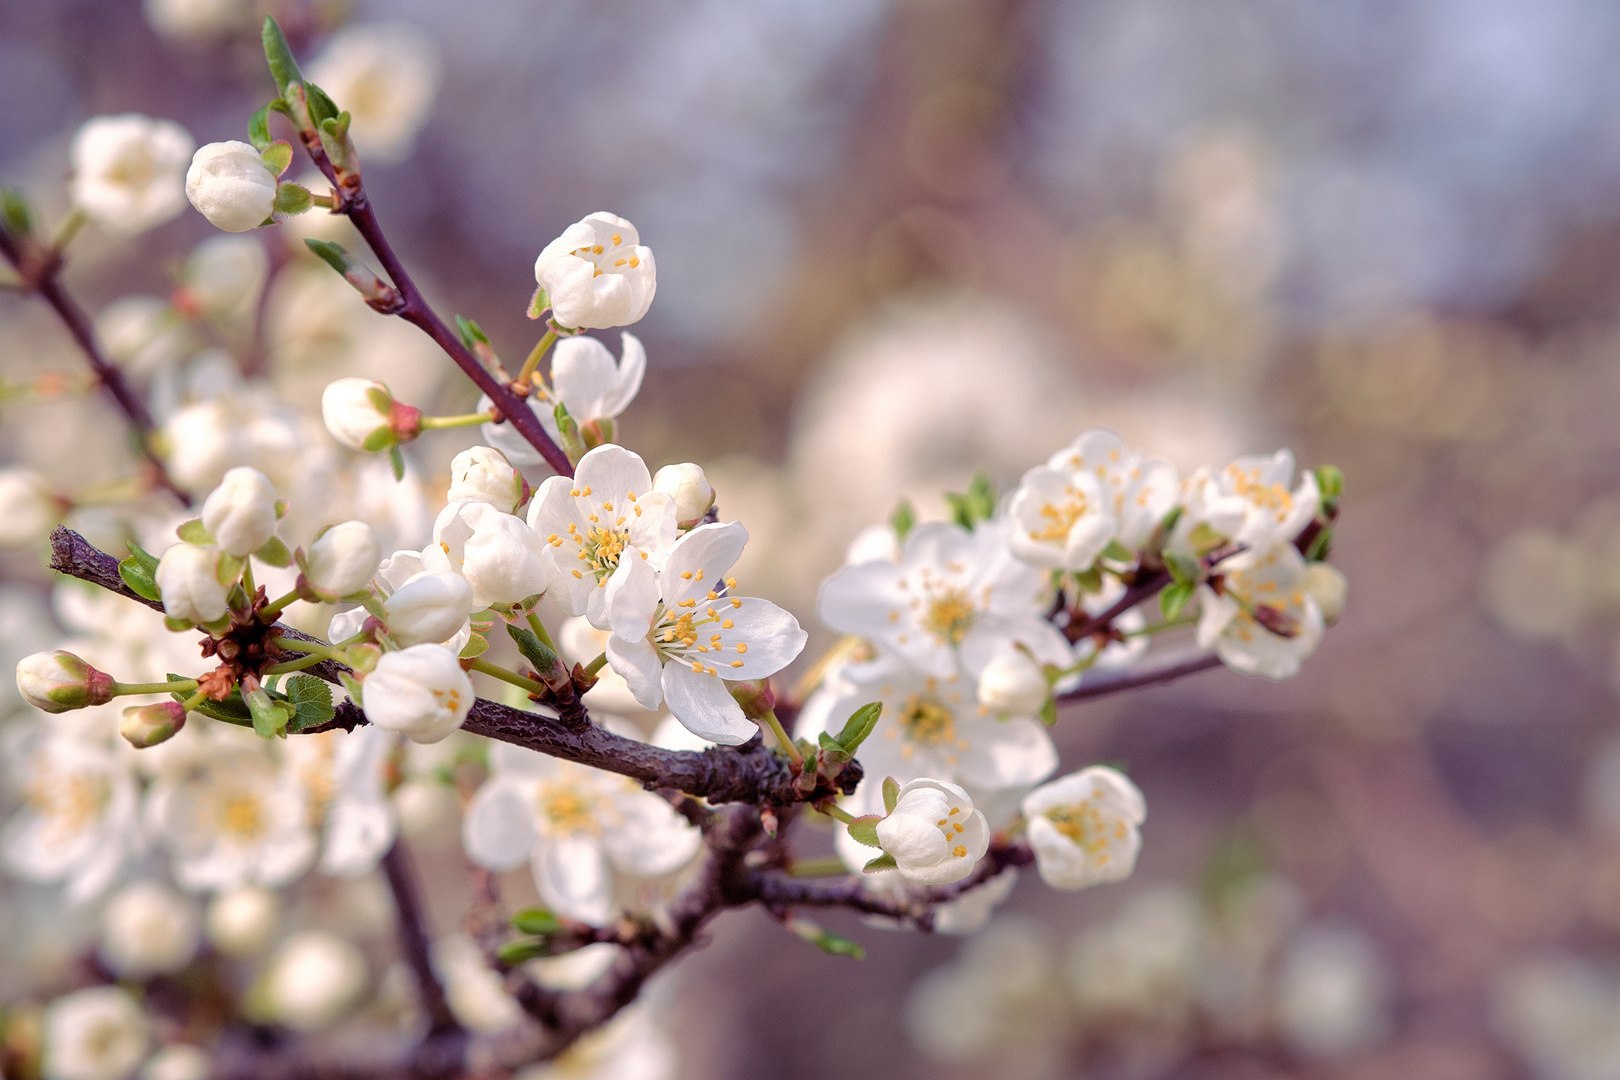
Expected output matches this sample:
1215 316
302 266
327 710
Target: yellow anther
726 625
959 851
687 603
742 647
736 663
686 576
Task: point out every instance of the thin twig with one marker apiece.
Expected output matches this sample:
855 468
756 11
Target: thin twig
1172 664
414 942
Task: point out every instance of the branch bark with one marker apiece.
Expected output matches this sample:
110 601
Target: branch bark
442 1049
1172 664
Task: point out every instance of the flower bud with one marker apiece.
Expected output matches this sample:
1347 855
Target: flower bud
148 929
27 507
1327 585
231 186
688 488
482 474
59 681
342 560
430 607
934 833
241 921
595 275
241 511
363 415
1012 685
188 580
757 697
420 692
314 978
148 725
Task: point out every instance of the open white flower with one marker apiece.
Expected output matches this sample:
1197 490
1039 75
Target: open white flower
953 601
385 75
575 826
231 186
629 1047
224 277
342 559
596 274
1254 501
1084 827
77 823
241 511
420 692
931 727
587 381
129 171
188 579
231 818
1264 621
1137 491
343 778
313 979
502 558
27 507
1060 518
148 929
98 1033
483 474
607 513
679 635
934 833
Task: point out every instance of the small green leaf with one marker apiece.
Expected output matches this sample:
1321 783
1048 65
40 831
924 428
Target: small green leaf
891 794
311 700
142 556
283 68
1089 580
321 107
277 157
1183 568
270 717
293 199
233 710
396 462
535 651
825 940
352 686
194 532
476 646
229 568
903 518
1321 546
139 578
832 752
536 920
274 553
15 216
863 830
860 725
1118 552
332 254
1204 538
513 953
1175 597
470 332
1048 713
538 303
1330 482
882 862
259 129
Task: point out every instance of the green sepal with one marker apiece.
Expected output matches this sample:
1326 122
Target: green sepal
139 572
229 568
1175 597
535 651
536 920
179 626
381 438
903 518
832 752
860 725
977 504
274 553
15 216
1048 713
283 68
293 199
477 645
259 130
891 794
321 107
863 830
194 532
277 157
1089 580
470 332
1321 546
1118 552
1330 482
825 940
538 303
396 462
882 862
1204 538
311 700
332 254
1183 568
270 717
281 509
352 686
512 953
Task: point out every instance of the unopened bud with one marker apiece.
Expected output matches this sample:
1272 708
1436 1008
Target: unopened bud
483 474
58 681
756 698
148 725
342 560
363 415
688 488
1012 684
231 186
241 511
1328 586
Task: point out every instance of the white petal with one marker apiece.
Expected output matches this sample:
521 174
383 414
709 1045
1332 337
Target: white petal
573 879
583 375
705 706
358 834
638 664
698 561
632 367
498 831
631 597
649 838
761 640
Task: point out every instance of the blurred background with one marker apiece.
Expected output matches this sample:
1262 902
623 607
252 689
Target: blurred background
902 240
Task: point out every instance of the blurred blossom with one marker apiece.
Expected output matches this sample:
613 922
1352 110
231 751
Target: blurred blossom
1563 1014
148 929
632 1047
314 977
1536 584
1333 992
197 19
385 75
1141 966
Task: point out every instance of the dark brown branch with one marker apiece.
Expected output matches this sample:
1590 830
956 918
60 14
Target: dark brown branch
442 1049
748 774
352 202
1147 584
39 274
1172 664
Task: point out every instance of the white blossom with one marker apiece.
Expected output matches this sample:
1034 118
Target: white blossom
474 991
1264 621
629 1047
934 833
241 511
98 1033
1084 827
240 921
688 488
1013 685
231 186
231 818
224 277
603 518
188 580
1333 992
501 557
77 822
1255 501
1133 491
931 726
129 170
177 1061
429 607
59 681
343 778
483 474
28 510
143 335
1328 586
953 601
596 274
680 635
189 19
420 692
313 979
385 75
342 559
148 929
575 826
354 410
587 381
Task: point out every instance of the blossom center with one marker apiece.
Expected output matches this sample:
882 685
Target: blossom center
1274 497
927 721
134 168
567 809
614 257
953 831
1084 823
1059 517
950 615
70 803
240 815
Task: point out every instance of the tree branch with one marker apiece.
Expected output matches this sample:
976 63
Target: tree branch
441 1051
1171 664
39 274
